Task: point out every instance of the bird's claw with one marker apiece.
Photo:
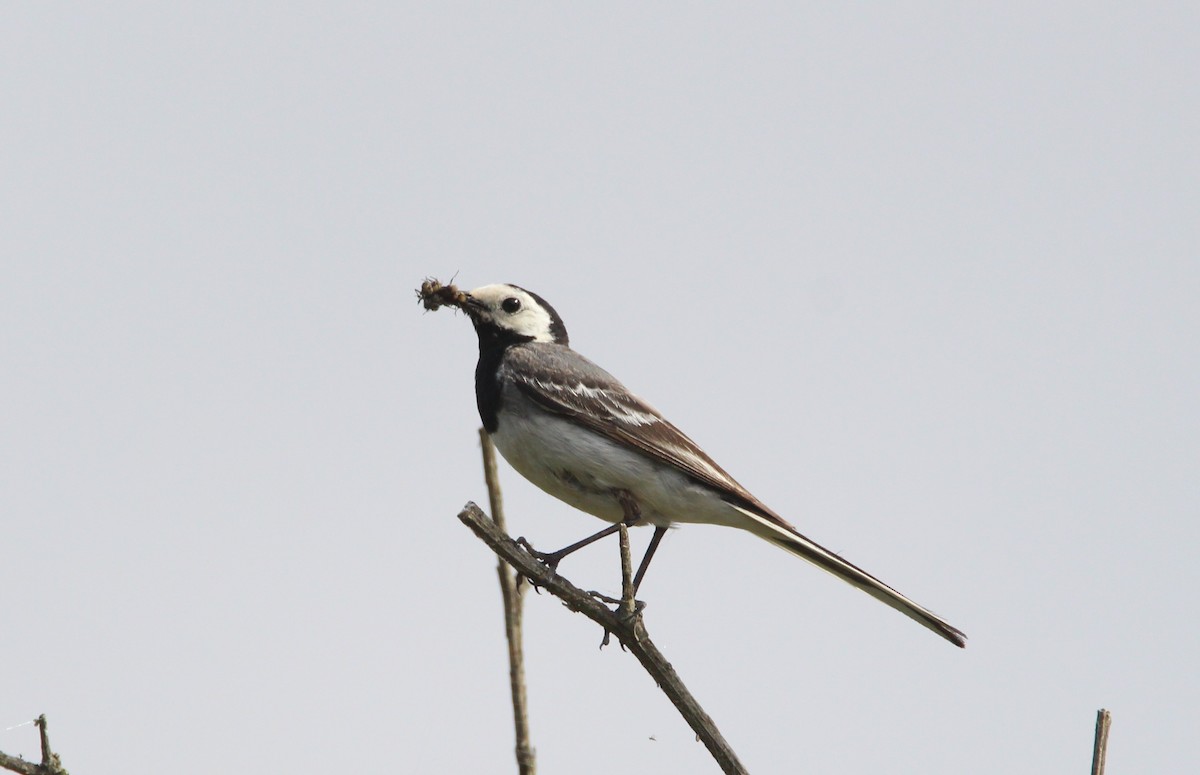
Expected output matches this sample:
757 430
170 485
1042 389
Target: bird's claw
618 609
550 560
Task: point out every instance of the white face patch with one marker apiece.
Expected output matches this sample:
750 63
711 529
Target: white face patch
513 309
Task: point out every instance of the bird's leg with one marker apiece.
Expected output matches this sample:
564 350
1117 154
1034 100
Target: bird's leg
659 532
633 515
552 559
629 507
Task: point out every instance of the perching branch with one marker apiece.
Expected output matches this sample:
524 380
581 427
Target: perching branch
512 591
20 765
629 629
1100 746
51 764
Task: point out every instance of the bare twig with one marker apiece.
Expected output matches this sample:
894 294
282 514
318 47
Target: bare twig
512 591
51 764
20 765
1100 746
627 602
631 631
47 756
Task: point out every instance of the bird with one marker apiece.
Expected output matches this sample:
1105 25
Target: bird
576 432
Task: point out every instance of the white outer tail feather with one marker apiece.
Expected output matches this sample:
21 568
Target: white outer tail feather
829 562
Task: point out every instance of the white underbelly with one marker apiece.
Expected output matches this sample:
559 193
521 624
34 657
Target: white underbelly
587 470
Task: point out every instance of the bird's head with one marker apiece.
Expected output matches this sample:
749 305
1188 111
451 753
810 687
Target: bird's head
510 313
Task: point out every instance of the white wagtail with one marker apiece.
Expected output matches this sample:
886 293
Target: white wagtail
572 429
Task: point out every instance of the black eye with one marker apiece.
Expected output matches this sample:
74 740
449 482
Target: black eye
511 304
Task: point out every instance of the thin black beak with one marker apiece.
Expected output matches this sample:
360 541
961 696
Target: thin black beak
471 305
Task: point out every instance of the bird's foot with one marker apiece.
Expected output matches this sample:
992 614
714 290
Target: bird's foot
638 605
549 559
622 612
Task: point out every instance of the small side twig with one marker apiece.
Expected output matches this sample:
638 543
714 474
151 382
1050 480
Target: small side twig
48 756
512 591
1100 746
627 601
630 631
50 765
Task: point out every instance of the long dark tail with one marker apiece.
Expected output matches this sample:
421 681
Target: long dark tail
851 573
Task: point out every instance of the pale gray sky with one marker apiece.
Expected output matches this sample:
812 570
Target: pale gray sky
923 277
